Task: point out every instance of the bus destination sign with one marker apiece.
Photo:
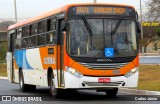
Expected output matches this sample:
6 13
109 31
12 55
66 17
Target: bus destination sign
102 10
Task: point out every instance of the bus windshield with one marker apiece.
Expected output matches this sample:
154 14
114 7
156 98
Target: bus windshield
81 43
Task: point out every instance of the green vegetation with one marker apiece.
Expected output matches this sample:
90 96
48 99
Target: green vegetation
158 31
3 50
3 70
149 77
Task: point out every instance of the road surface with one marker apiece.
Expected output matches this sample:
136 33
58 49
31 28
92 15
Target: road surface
149 59
77 97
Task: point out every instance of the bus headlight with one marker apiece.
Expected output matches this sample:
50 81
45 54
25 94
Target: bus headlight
74 72
132 72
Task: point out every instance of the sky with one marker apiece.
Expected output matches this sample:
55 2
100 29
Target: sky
31 8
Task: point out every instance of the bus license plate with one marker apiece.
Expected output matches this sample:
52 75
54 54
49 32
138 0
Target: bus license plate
103 80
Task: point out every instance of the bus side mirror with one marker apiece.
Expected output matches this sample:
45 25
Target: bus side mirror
139 27
139 31
64 26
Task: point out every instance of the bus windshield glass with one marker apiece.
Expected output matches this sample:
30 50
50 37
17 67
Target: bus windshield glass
81 43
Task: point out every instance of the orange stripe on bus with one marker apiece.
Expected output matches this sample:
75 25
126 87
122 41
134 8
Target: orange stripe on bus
91 72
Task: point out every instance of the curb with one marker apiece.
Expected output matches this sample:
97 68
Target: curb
3 77
137 92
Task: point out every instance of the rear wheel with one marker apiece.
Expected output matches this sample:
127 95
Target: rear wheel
111 92
25 87
55 92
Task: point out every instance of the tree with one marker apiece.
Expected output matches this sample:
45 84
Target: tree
3 45
5 24
153 12
149 32
3 50
158 31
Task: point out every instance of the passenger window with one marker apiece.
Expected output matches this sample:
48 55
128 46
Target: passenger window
32 41
18 38
24 42
41 27
25 31
33 29
41 40
49 25
19 33
17 43
51 38
53 24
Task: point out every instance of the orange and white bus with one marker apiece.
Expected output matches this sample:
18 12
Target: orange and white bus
78 46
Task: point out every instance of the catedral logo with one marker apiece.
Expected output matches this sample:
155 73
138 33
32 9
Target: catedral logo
150 24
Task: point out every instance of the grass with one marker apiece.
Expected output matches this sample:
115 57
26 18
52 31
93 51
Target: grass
3 70
149 76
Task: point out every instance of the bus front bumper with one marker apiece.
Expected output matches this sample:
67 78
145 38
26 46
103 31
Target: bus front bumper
87 82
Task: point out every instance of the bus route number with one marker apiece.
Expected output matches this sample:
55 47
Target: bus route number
49 60
82 10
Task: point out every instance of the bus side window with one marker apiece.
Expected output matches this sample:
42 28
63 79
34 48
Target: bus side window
49 25
18 37
51 38
53 23
42 26
32 41
25 31
41 40
24 42
33 29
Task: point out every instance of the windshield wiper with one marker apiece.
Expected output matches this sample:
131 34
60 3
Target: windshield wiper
117 25
88 28
115 30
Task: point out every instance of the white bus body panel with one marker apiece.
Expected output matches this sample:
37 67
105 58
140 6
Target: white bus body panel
9 66
76 83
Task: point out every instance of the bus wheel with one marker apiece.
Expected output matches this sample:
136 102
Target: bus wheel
23 86
111 92
53 90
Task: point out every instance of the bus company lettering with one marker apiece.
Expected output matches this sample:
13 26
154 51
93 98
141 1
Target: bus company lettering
49 60
108 60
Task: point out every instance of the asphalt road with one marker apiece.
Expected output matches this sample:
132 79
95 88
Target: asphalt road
76 97
149 59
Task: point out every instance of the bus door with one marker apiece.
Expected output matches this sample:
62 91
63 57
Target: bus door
10 56
60 54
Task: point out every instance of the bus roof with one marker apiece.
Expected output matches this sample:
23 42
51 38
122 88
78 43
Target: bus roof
59 10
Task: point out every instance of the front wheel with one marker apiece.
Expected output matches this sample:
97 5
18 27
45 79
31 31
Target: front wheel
111 92
55 92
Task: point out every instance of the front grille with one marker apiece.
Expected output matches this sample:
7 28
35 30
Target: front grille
104 84
109 66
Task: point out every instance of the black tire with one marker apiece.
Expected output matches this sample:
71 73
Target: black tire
25 87
111 92
32 88
55 92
